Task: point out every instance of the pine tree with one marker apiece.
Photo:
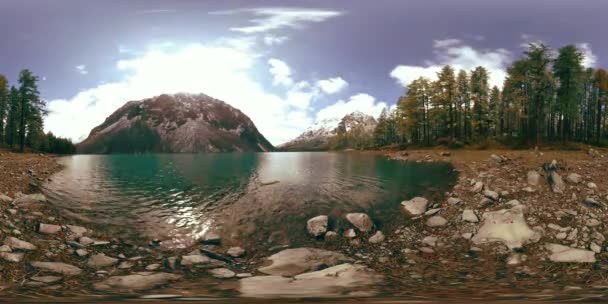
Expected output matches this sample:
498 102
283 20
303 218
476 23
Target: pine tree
14 114
464 102
568 71
444 101
4 103
32 105
381 129
479 96
493 111
601 82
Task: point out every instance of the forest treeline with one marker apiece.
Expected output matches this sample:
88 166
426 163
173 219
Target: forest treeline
547 97
21 118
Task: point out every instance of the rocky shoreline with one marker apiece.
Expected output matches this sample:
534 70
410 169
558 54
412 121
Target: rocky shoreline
524 222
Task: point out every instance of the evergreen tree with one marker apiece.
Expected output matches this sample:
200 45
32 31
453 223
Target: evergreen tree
464 102
494 117
568 71
601 82
14 114
4 104
32 106
444 101
381 129
479 96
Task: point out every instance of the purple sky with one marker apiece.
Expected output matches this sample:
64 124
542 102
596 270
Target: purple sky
373 47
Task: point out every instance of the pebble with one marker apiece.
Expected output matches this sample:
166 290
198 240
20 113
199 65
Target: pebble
436 221
235 252
468 215
378 237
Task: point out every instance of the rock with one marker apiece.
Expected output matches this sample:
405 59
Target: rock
189 260
477 187
497 159
152 267
507 226
454 201
48 228
594 153
46 279
18 244
30 200
101 260
138 281
565 254
427 250
591 202
125 265
331 282
290 262
432 211
556 182
378 237
350 234
81 252
5 248
331 236
468 215
212 238
77 230
360 220
317 225
561 235
467 235
491 195
528 189
591 185
436 221
11 257
595 248
533 178
244 275
574 178
85 241
414 207
5 199
61 268
430 240
235 252
222 273
593 222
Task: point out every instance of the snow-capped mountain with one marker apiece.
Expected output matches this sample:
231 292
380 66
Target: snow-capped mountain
317 136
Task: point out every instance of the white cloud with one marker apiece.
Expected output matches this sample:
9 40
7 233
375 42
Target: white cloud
271 40
460 56
332 85
218 70
280 71
361 102
82 69
301 95
274 18
590 59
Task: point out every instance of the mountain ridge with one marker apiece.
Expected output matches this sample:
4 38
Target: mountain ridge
176 123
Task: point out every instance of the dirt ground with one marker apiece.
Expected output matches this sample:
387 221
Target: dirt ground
22 172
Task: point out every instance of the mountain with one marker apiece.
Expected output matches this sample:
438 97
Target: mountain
323 133
180 123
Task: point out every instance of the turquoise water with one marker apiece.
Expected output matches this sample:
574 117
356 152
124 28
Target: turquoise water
243 196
